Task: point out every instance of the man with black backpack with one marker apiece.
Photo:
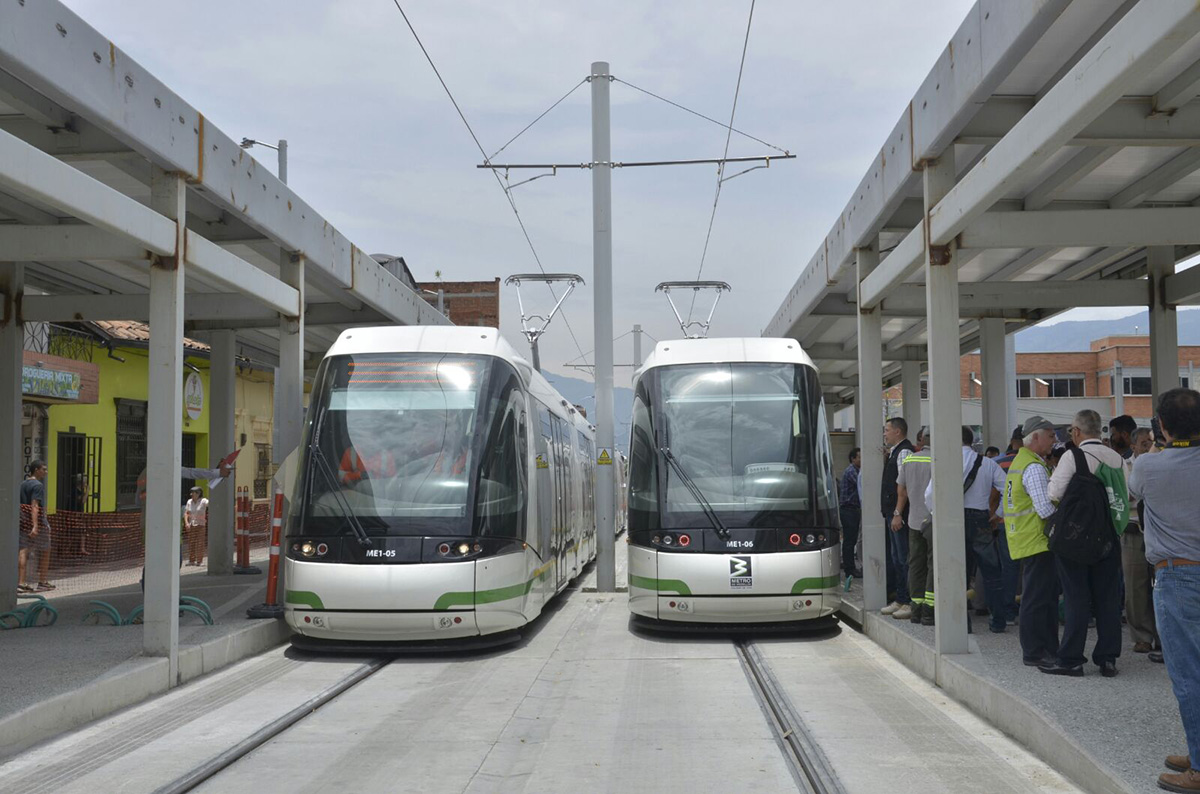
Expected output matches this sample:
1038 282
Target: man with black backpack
1093 508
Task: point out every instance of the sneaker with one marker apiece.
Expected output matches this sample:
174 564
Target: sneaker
1155 656
903 613
890 608
1184 781
44 586
24 588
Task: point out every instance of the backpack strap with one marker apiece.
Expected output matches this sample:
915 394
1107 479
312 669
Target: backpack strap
967 483
1081 464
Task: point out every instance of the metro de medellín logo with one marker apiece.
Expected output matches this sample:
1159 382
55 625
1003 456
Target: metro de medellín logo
741 575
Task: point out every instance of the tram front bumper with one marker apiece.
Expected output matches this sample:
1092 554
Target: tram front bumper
382 626
727 588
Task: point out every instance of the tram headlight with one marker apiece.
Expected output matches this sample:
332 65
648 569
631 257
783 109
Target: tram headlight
810 539
667 540
463 548
308 549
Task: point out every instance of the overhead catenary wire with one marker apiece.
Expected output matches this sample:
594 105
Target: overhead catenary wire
697 113
483 153
721 167
542 115
593 350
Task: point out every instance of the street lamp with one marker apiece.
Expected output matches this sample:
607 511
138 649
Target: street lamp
281 148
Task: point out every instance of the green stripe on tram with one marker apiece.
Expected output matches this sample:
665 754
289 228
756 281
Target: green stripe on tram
303 597
469 598
660 585
811 583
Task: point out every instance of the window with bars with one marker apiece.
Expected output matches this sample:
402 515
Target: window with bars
263 471
131 451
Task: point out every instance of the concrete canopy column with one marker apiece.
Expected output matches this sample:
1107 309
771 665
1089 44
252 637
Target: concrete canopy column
870 392
998 384
164 431
289 377
910 383
1164 328
945 415
222 440
12 343
1010 369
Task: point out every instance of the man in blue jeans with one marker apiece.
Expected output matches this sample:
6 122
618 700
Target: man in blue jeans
1166 484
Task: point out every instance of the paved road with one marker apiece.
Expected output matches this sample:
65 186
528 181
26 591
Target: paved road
585 704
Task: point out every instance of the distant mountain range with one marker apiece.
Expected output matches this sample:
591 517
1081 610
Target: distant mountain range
583 392
1077 335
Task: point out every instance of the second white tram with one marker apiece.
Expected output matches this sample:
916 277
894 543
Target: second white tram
446 491
733 510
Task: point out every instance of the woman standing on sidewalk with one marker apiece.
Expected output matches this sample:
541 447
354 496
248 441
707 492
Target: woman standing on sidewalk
195 524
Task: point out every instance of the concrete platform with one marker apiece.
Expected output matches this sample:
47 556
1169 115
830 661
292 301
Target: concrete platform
1107 734
62 676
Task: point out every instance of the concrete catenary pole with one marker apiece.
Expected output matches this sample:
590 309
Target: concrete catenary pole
637 347
602 280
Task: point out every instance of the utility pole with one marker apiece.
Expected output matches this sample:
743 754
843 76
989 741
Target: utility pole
606 548
601 166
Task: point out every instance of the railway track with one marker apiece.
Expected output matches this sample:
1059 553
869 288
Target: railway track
809 766
272 729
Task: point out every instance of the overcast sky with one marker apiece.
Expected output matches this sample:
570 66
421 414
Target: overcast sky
375 145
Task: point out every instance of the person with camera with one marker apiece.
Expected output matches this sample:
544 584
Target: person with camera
1166 484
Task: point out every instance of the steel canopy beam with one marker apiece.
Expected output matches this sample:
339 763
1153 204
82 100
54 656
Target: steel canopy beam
1125 228
826 351
1181 288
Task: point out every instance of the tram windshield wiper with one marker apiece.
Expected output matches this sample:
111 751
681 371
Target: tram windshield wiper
694 489
315 453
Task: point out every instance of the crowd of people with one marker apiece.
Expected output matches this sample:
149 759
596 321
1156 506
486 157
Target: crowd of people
1065 534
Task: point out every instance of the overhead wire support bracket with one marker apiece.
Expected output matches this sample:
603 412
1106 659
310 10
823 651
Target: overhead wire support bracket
695 287
766 158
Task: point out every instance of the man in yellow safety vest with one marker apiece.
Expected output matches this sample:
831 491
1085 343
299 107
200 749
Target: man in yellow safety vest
1027 505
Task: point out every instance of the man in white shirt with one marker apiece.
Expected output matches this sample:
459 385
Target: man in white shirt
1088 588
980 502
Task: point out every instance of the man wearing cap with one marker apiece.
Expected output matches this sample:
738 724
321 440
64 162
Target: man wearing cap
1166 484
1027 505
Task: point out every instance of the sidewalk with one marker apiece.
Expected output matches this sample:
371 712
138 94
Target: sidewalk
1122 726
61 676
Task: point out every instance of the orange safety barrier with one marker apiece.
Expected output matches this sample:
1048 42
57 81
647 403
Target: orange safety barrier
271 608
242 509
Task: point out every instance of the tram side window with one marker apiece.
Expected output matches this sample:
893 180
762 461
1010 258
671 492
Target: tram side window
500 497
643 467
824 484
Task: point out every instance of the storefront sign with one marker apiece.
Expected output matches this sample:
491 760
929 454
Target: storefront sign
53 383
193 396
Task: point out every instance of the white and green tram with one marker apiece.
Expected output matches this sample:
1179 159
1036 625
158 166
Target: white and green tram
445 492
733 510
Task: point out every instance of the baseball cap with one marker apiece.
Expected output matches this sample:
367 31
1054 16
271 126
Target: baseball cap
1035 423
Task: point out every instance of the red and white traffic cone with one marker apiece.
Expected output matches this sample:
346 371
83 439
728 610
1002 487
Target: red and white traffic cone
272 608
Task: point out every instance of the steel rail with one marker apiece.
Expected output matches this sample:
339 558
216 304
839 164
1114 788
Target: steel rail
228 758
808 764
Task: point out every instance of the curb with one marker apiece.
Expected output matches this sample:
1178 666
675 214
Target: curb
1012 714
132 682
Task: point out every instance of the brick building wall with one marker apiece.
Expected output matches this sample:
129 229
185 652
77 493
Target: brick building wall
474 303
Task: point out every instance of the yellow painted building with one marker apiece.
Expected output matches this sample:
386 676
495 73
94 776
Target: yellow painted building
95 447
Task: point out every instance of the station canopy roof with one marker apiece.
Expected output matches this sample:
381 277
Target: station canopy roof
83 128
1075 139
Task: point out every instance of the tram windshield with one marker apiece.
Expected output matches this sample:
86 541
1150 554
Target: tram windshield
751 437
414 444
